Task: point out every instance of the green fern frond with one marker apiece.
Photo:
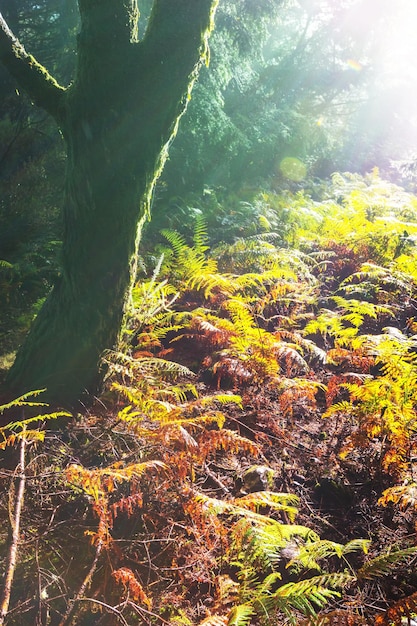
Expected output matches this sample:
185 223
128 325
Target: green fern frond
17 430
250 254
152 364
197 422
275 542
264 587
377 275
23 401
200 235
161 367
222 398
232 508
242 318
38 418
385 563
176 241
309 555
267 277
307 596
360 308
148 367
327 323
130 394
262 543
128 413
318 589
241 615
355 545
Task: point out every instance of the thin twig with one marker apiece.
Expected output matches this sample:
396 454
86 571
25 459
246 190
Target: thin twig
110 608
15 525
67 618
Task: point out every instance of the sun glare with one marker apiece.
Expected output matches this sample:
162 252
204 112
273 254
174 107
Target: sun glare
386 30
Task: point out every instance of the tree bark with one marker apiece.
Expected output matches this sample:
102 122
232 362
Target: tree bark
117 120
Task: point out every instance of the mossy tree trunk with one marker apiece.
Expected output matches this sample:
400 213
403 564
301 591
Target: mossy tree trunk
117 120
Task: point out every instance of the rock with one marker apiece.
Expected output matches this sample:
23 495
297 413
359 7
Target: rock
258 478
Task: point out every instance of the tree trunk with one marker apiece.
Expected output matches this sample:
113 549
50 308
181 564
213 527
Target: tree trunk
117 120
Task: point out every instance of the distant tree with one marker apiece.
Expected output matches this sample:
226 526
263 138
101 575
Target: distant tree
117 119
286 79
32 157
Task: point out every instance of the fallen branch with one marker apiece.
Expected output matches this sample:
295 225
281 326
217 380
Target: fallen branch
15 526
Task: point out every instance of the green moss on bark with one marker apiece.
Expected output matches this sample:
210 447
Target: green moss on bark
118 119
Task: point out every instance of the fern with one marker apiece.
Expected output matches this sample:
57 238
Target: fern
317 590
403 495
98 482
200 235
23 401
384 564
241 615
150 368
18 429
306 596
222 399
275 501
193 268
261 544
309 555
176 241
404 609
132 587
371 278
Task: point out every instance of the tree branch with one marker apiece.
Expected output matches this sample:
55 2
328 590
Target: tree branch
108 24
181 25
31 76
175 44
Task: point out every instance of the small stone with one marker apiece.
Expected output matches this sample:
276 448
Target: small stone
258 478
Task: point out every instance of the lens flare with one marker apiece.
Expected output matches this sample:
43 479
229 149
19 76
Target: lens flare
293 169
354 65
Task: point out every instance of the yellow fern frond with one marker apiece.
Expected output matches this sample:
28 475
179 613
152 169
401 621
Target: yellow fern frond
403 495
272 500
100 481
